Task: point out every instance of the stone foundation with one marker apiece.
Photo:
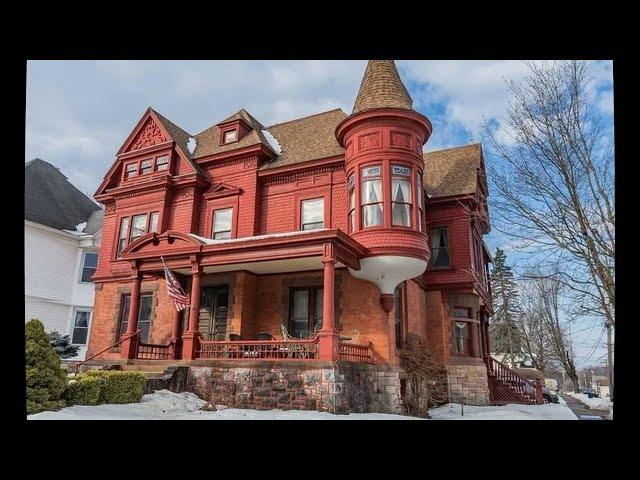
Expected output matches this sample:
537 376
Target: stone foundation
334 387
468 384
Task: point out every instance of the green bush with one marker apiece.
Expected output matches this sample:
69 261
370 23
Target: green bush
85 390
45 379
119 387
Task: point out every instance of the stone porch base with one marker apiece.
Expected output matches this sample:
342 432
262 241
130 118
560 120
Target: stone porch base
468 384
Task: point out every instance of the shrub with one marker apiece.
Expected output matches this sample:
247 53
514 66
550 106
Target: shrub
119 387
84 391
45 379
62 345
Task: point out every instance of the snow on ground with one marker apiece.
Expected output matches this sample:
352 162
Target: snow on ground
549 411
593 403
166 405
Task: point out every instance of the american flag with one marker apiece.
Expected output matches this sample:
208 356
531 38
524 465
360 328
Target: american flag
174 289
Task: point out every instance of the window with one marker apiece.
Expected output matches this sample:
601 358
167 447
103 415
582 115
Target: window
439 248
144 315
462 338
146 166
351 184
420 200
397 306
138 226
312 214
222 224
230 136
371 196
306 311
89 264
401 195
124 233
132 170
153 222
162 163
80 328
462 312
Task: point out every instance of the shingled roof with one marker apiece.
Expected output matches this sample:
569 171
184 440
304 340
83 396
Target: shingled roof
307 138
382 87
50 199
453 171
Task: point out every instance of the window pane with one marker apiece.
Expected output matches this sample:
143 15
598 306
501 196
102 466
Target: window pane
124 314
462 312
372 215
87 273
352 220
400 170
90 259
230 136
371 171
222 235
81 328
162 163
146 166
439 248
371 191
144 319
138 225
462 338
313 214
300 313
400 191
402 214
132 170
153 222
124 231
319 305
222 223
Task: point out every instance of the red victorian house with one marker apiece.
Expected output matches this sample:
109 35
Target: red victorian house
309 250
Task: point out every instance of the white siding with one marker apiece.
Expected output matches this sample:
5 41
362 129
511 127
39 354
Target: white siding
53 264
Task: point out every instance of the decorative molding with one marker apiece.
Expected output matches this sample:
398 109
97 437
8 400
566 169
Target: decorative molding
291 176
369 140
150 135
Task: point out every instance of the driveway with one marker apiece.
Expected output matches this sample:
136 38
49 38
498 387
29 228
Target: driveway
582 411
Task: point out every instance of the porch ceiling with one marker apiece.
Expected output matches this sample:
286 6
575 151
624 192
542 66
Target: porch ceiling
268 266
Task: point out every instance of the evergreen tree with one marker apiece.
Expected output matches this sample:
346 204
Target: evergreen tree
45 379
62 345
504 332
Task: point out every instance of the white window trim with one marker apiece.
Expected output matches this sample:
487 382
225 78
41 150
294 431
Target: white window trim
80 270
72 324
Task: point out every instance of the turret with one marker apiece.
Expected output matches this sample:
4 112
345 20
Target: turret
383 139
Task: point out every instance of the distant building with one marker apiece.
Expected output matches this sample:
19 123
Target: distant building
62 231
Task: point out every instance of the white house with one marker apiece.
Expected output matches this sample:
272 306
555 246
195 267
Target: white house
62 231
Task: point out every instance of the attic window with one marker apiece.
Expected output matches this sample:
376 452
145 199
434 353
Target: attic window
132 170
162 163
146 166
230 136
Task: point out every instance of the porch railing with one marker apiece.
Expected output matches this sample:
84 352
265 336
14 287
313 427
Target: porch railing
353 352
122 339
259 349
150 351
499 372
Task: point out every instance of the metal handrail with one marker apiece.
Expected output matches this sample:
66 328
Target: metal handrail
78 364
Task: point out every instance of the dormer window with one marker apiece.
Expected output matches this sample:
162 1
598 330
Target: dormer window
230 136
132 170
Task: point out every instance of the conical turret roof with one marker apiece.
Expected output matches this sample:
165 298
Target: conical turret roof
382 87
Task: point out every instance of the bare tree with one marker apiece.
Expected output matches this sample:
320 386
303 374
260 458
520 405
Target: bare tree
552 174
534 336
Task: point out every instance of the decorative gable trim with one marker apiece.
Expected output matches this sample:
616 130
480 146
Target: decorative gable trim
221 190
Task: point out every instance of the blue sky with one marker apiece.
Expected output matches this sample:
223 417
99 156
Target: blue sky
80 112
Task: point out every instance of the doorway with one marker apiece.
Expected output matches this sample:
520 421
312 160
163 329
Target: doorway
214 309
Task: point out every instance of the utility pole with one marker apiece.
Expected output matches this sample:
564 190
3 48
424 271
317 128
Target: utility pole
609 327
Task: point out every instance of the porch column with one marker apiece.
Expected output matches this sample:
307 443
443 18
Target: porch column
175 333
130 344
190 339
328 335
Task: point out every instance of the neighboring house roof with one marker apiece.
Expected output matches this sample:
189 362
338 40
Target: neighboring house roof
94 222
50 199
453 171
382 87
307 138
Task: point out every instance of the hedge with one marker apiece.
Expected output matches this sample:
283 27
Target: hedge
119 386
84 391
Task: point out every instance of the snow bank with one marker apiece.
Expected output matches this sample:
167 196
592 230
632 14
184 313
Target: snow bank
549 411
593 403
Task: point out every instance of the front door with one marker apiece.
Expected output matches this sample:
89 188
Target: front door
214 306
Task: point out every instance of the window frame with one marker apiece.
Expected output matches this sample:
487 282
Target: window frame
155 163
153 168
361 205
82 266
311 313
213 223
352 191
408 179
471 323
301 223
72 327
125 321
448 247
127 238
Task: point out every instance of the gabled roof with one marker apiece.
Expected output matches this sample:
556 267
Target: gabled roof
307 138
453 171
208 141
50 199
382 87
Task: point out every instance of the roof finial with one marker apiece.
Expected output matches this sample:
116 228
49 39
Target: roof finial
382 87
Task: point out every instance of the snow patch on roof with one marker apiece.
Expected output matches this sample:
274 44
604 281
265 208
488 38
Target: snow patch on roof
81 226
273 143
191 145
211 241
